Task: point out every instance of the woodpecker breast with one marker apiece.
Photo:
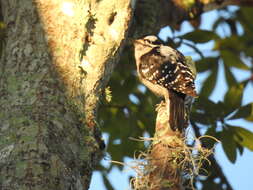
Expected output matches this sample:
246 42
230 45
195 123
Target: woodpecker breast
161 65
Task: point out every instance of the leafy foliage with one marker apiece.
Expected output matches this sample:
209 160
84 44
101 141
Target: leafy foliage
131 111
200 36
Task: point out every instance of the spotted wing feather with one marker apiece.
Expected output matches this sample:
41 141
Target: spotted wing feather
170 71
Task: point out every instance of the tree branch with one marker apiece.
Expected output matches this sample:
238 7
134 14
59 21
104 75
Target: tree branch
151 15
162 170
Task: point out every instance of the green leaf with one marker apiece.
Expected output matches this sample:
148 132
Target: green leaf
232 43
209 109
247 16
209 184
239 148
243 136
233 97
200 36
248 51
206 63
250 117
201 118
243 112
232 59
210 82
229 76
228 144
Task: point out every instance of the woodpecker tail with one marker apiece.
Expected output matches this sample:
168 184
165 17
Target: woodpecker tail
176 110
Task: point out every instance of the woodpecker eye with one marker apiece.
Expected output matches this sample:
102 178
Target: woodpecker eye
148 41
157 42
153 42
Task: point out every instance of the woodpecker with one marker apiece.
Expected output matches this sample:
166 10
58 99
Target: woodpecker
166 73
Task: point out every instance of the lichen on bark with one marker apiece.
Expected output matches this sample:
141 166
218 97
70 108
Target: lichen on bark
46 141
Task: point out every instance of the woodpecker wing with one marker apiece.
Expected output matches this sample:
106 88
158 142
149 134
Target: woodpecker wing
167 67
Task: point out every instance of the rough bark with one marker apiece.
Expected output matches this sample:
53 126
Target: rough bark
53 69
165 153
163 170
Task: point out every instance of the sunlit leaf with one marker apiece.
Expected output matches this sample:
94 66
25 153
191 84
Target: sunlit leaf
250 118
232 59
244 137
233 97
232 43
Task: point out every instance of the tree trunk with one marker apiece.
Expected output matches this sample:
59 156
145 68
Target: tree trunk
163 170
57 59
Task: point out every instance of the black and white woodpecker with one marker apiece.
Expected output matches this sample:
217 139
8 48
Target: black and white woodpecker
166 73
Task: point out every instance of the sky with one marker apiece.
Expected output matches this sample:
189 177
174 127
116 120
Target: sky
238 174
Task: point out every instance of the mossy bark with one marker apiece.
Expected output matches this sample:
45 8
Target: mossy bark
54 66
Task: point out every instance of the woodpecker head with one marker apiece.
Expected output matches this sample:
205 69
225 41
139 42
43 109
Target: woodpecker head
144 45
160 65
